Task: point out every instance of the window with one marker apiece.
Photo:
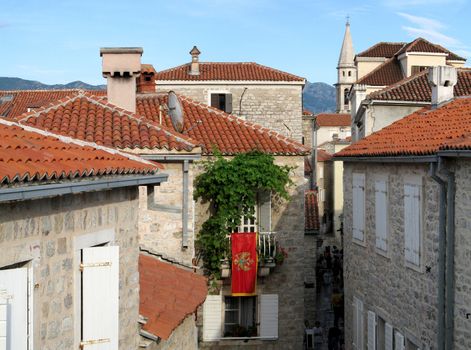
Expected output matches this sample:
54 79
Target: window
345 97
240 317
417 69
398 341
248 224
16 308
357 324
381 214
412 220
261 221
349 73
222 101
410 345
371 330
358 225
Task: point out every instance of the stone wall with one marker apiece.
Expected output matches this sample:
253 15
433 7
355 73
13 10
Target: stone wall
402 296
288 279
184 337
160 228
272 106
43 232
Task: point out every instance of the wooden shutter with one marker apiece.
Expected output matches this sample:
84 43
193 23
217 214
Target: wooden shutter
100 298
14 283
269 316
264 211
212 318
215 100
361 328
358 206
228 106
398 341
371 330
412 223
355 324
3 319
381 214
388 337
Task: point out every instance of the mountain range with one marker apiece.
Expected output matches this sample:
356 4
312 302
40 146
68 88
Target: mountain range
317 97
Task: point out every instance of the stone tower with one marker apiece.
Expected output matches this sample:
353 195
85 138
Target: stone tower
347 72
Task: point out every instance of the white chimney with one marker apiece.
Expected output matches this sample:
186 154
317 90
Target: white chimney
195 64
359 94
121 67
442 79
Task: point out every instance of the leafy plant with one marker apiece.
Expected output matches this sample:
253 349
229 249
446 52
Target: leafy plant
231 187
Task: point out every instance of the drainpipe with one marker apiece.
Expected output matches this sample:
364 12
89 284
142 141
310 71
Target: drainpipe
185 205
441 256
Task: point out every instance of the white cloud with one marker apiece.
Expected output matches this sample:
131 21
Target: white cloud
409 3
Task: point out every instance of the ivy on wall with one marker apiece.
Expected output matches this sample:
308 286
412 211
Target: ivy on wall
231 186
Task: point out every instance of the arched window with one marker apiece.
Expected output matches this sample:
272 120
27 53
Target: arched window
349 73
345 97
343 73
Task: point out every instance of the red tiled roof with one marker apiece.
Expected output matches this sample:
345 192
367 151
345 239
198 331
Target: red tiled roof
311 211
422 45
147 68
213 128
382 49
168 294
307 112
24 99
417 88
385 74
89 118
248 71
333 119
31 155
421 133
323 156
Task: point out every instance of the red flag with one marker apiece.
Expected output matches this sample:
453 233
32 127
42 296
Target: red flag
244 263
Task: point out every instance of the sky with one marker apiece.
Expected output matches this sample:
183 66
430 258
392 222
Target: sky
59 41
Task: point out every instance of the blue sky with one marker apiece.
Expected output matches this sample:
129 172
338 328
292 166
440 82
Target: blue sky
59 41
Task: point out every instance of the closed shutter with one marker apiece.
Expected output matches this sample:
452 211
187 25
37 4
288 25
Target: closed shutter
212 318
412 218
381 214
14 283
358 206
3 319
215 100
388 337
398 341
269 316
100 298
361 328
228 103
264 211
371 330
355 324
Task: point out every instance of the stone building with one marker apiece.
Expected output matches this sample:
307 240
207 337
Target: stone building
406 230
249 90
69 241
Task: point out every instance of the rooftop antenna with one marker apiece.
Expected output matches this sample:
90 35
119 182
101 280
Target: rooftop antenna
175 111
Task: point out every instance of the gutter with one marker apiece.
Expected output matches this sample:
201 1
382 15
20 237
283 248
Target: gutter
51 190
391 159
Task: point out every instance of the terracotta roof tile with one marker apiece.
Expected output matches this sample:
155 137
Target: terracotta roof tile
213 128
416 88
385 74
334 119
422 45
32 155
323 156
89 118
382 49
248 71
307 112
311 211
168 294
22 100
421 133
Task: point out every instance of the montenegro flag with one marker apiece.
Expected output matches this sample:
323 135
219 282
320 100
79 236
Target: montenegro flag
244 263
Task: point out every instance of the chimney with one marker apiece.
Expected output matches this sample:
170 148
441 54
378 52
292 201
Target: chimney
359 94
146 81
442 79
121 68
195 61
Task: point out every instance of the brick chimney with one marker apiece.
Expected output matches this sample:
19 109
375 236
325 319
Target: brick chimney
121 68
195 61
442 80
146 81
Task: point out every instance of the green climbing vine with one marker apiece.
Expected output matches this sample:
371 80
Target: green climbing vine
230 186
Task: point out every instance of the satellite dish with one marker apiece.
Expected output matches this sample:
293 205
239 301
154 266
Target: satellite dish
175 111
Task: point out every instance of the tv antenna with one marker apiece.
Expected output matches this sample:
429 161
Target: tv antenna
175 111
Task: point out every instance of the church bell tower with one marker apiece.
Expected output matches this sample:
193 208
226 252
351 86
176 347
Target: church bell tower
346 72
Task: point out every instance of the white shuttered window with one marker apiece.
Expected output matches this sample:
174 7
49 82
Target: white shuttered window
398 341
100 298
358 324
412 222
269 316
388 337
371 330
358 225
381 214
212 318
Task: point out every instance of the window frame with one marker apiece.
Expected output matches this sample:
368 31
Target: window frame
385 253
256 315
415 180
219 92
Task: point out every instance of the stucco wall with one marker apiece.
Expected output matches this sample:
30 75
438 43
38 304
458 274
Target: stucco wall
43 232
421 60
269 105
288 279
380 116
404 297
365 67
160 228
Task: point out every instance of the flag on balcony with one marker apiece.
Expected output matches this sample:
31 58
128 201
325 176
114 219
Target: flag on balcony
244 263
